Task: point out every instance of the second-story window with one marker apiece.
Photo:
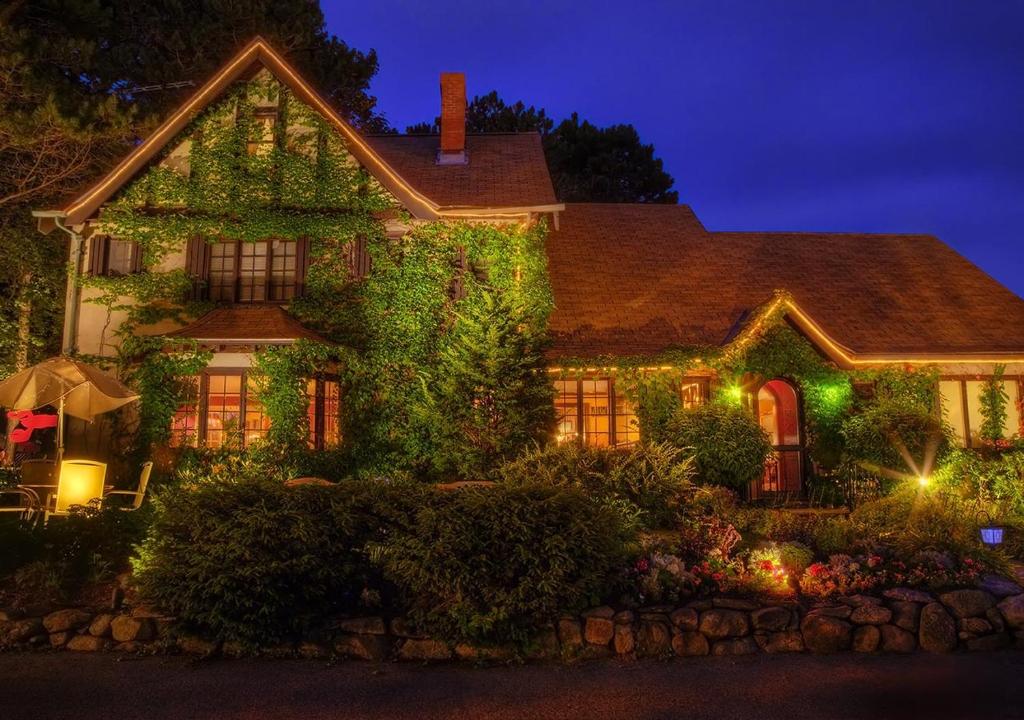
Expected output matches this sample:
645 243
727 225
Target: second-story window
249 272
111 257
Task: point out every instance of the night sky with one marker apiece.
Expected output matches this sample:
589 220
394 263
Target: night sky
882 116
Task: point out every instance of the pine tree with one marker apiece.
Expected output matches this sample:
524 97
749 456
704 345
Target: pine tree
489 396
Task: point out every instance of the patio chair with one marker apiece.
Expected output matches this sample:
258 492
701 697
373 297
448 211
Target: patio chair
80 483
26 506
39 475
139 493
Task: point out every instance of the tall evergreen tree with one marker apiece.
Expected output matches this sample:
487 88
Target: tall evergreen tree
489 396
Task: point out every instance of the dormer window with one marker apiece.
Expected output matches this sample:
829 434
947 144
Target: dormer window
261 131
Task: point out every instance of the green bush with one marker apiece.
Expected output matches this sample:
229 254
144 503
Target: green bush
258 562
879 434
994 479
729 447
495 564
650 481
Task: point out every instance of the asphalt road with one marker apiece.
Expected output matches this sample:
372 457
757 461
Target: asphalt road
82 687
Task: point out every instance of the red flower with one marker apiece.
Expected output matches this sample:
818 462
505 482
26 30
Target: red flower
766 565
642 565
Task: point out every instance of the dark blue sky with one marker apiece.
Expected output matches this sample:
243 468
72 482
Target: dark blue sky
886 116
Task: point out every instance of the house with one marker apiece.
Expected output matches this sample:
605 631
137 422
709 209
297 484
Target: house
632 285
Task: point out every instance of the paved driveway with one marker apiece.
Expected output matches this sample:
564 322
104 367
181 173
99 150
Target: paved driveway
82 687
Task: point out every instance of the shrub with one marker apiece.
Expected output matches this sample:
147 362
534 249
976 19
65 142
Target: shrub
995 479
257 562
729 447
494 564
879 435
650 482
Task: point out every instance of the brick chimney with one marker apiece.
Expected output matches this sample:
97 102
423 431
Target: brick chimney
453 119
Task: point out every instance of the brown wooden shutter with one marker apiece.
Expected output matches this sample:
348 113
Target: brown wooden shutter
136 258
359 260
197 264
301 265
98 247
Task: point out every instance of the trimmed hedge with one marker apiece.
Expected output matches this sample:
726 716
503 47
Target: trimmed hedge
729 447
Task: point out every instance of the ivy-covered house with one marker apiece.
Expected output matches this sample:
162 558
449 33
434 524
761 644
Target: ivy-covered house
262 270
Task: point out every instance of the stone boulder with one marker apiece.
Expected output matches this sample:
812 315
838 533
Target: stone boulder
64 620
937 630
721 623
771 619
999 586
1012 609
905 614
826 634
686 619
363 647
976 626
599 630
690 643
897 640
866 639
967 603
735 646
908 595
17 631
424 650
87 643
734 603
987 643
125 628
871 615
654 639
570 634
780 642
100 625
625 640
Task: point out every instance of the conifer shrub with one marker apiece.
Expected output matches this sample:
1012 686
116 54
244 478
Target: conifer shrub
495 564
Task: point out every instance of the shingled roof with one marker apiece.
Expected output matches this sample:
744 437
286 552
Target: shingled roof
247 324
643 279
504 169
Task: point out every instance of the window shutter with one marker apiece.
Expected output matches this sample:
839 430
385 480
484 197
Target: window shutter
136 258
197 264
301 265
359 260
98 255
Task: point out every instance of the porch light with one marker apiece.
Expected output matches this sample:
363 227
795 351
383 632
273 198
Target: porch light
991 534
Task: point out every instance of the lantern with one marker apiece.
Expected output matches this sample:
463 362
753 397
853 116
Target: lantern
991 534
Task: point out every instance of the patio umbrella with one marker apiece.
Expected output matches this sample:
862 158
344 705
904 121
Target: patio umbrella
75 388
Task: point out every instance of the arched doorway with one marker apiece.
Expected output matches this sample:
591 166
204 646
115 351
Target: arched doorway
778 411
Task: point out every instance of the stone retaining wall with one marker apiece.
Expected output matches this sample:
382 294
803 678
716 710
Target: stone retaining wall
902 620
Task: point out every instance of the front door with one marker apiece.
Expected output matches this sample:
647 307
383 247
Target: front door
778 412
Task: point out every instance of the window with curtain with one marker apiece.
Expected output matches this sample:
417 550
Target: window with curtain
249 272
960 399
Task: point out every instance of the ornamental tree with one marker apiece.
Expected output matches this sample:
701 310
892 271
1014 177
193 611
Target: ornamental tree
488 396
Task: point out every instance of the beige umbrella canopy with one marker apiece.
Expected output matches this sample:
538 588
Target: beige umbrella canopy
71 386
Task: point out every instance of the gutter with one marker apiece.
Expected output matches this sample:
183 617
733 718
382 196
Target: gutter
49 219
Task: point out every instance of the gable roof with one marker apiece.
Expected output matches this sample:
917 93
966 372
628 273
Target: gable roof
504 169
644 279
416 200
247 324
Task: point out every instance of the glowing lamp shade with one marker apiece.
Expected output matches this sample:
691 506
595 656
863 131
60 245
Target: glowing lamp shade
991 535
81 481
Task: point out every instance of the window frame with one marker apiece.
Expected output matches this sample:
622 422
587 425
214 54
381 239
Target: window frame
1015 398
99 256
318 428
613 406
297 284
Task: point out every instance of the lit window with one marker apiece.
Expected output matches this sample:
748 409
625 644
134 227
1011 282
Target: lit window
966 419
592 411
566 409
256 422
110 257
692 393
223 411
324 413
